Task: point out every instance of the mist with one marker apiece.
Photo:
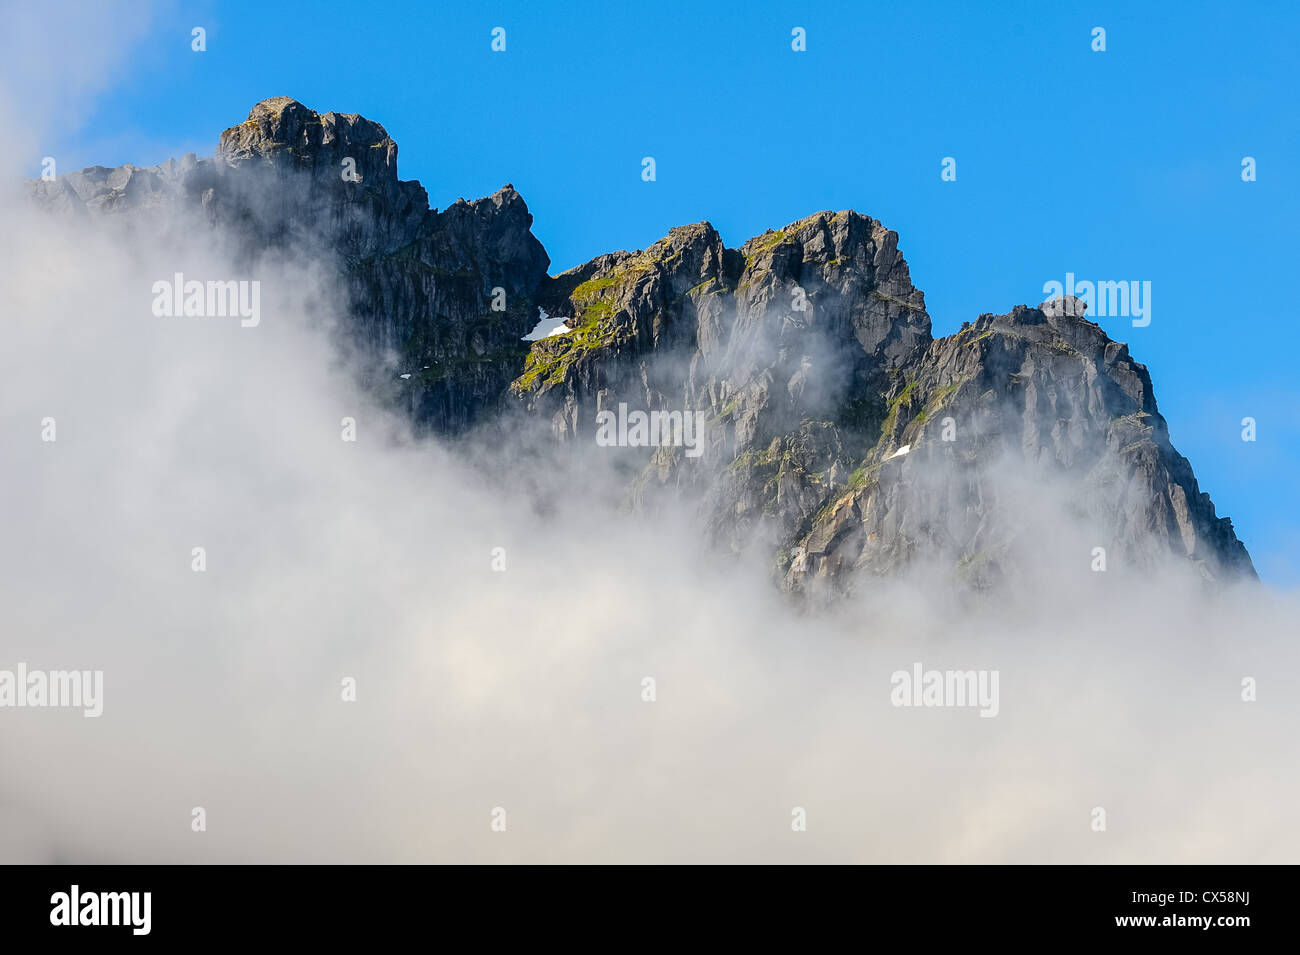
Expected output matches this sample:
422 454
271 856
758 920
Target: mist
523 689
481 689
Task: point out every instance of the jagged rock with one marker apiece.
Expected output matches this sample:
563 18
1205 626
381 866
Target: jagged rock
420 282
1044 393
843 439
426 309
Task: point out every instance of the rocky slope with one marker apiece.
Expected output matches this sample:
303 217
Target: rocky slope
842 440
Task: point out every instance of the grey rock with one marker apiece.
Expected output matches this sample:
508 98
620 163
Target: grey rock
808 349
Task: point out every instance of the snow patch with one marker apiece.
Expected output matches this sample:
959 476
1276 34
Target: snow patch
546 327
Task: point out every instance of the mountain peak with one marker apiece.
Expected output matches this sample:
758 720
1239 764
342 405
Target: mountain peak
281 131
841 434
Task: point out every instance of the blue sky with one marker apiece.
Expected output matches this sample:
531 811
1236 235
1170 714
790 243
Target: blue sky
1117 165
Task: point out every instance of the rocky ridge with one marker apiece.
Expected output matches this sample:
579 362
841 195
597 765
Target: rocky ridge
843 439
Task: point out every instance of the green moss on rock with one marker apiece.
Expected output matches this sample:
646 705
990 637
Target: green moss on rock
762 244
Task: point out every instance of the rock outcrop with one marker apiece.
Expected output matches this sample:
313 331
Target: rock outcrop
842 438
1037 401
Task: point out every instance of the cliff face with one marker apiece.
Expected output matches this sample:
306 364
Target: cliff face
841 438
419 282
1033 396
